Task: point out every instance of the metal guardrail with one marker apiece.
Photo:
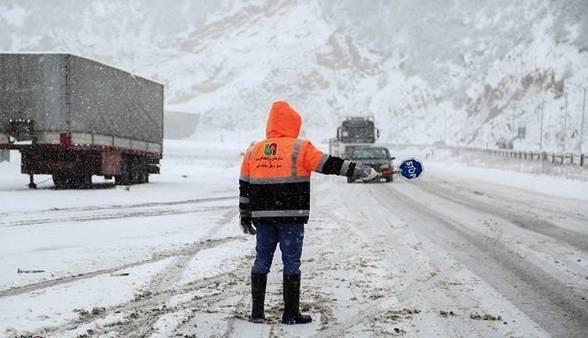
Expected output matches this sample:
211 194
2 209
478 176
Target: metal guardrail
567 158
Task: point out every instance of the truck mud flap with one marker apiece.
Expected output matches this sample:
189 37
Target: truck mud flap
111 163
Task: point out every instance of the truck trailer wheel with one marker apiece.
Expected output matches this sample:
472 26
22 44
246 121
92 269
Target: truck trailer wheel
141 178
134 170
122 180
144 178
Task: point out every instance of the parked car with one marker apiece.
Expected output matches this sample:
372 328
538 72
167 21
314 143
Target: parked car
377 157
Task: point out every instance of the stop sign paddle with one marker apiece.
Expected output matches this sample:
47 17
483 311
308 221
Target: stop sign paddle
411 169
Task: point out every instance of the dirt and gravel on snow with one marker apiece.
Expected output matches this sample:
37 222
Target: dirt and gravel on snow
443 256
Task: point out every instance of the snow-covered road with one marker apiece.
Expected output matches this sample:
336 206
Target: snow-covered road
522 247
449 255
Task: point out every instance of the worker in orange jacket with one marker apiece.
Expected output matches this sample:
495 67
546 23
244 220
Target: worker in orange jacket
274 203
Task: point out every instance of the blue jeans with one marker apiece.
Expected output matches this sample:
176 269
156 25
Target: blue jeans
290 237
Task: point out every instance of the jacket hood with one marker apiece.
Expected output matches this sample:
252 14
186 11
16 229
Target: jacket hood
283 121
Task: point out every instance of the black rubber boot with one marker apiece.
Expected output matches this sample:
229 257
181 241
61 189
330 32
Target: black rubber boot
258 284
291 292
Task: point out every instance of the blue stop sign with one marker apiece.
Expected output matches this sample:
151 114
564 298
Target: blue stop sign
411 169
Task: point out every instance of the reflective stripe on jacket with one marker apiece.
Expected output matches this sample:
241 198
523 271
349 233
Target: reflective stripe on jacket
275 173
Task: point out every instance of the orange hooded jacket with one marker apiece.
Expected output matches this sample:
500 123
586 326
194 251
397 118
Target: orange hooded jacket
275 173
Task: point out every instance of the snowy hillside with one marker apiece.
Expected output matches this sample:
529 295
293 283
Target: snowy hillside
459 70
480 245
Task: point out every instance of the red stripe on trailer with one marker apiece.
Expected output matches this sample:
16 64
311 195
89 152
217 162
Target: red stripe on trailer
65 139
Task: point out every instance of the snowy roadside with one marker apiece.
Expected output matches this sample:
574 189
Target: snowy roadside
549 185
473 159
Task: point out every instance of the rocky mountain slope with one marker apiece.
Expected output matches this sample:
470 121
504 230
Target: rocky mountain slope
469 72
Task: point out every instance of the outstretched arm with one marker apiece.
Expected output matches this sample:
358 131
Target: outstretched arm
316 160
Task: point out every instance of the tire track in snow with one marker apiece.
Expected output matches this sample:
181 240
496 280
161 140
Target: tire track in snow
121 206
536 202
550 303
148 307
190 250
112 212
369 313
145 302
164 280
569 244
528 222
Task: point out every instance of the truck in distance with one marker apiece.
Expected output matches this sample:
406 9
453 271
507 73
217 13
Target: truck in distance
353 131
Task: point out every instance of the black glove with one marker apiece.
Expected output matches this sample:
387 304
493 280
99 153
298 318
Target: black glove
247 225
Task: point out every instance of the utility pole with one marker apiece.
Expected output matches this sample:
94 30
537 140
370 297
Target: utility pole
565 126
445 126
541 132
513 122
583 113
582 123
